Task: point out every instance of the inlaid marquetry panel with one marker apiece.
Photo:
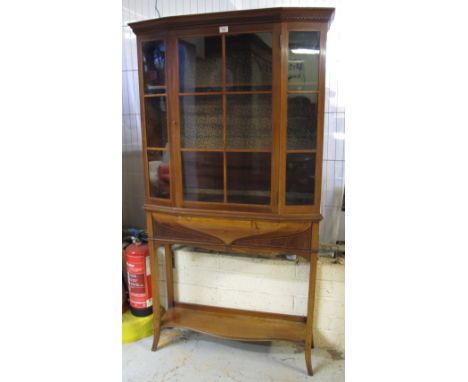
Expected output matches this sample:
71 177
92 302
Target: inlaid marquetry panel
301 240
165 231
233 231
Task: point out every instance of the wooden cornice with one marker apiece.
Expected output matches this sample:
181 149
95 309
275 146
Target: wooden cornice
251 16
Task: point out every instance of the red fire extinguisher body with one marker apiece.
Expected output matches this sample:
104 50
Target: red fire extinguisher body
139 279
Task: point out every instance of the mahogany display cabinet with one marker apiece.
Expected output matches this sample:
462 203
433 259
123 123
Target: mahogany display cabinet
232 108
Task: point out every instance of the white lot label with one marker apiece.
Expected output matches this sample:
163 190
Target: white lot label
223 29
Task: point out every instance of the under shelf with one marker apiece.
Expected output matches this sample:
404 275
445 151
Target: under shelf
235 324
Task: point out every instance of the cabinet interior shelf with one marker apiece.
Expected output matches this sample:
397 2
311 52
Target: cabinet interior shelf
228 92
198 149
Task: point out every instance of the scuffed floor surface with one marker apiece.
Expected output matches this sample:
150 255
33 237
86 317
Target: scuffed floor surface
187 356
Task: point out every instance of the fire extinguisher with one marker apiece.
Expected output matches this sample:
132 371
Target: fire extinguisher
123 299
139 278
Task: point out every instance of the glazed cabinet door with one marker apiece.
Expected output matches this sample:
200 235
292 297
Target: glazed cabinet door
249 117
225 116
201 118
303 89
154 109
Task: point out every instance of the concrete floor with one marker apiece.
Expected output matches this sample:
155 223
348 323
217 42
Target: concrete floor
187 356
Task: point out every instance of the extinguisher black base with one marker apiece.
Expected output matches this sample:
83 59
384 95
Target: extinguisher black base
141 312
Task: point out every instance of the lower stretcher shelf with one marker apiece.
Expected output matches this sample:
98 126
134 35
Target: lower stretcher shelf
235 324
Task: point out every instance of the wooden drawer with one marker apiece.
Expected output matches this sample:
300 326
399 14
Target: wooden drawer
233 232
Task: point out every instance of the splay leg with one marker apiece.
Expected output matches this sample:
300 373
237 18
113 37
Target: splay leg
156 339
308 357
153 254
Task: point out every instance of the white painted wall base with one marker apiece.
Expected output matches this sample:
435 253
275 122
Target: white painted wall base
271 285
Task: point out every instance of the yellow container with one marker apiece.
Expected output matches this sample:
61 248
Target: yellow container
135 328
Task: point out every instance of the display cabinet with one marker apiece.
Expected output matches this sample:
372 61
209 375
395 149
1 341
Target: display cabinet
232 108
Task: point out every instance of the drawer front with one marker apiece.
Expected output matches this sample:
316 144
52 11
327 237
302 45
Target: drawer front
233 232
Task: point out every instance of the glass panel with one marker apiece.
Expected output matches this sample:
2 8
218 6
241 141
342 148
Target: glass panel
302 121
200 64
159 175
203 176
201 121
156 121
248 178
303 60
153 66
300 177
249 121
249 61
